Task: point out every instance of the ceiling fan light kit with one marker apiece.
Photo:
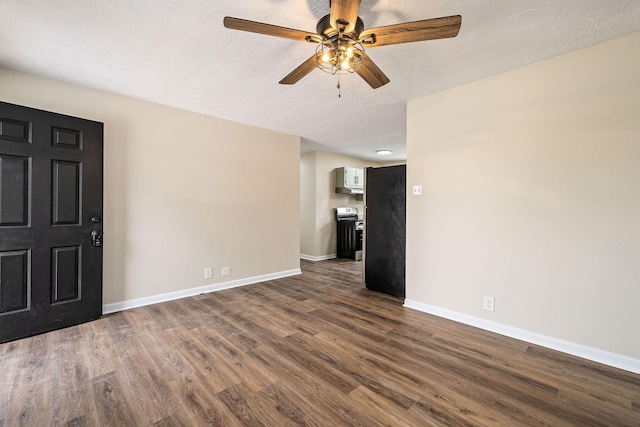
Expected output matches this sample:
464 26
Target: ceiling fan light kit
339 56
339 52
341 38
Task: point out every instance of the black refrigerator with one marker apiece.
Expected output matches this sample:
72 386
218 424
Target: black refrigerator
385 229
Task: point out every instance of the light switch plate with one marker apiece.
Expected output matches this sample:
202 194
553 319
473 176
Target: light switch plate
417 190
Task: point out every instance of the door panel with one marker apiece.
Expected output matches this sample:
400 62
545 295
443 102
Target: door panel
67 138
50 189
14 190
66 193
385 229
15 130
14 281
65 274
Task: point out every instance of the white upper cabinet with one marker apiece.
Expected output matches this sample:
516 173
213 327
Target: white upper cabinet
349 180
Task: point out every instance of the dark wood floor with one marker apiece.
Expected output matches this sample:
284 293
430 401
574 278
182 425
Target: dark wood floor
315 349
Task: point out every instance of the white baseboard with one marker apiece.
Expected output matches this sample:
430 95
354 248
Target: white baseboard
154 299
589 353
317 258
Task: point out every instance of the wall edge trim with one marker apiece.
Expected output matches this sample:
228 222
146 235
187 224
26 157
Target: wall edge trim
593 354
169 296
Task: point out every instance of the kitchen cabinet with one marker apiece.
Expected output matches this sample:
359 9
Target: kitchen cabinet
349 178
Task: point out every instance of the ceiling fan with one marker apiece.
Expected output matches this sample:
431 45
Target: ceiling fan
341 38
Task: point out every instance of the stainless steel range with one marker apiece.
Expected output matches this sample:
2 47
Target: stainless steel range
349 234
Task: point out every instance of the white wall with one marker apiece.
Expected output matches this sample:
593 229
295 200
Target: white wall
531 186
319 229
183 191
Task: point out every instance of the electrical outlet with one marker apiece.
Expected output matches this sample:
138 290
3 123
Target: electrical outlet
225 271
417 190
208 273
488 303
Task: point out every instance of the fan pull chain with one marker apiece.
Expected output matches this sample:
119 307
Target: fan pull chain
339 94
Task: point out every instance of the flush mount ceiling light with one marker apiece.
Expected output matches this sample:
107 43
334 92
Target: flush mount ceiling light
384 152
341 37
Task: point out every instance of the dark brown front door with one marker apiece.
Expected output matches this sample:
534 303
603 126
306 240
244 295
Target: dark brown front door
50 204
385 222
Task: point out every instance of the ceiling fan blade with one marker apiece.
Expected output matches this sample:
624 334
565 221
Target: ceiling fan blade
428 29
371 74
305 68
345 10
270 30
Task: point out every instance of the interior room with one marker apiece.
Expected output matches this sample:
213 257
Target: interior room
223 298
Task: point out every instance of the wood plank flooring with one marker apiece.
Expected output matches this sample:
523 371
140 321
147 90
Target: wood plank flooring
310 350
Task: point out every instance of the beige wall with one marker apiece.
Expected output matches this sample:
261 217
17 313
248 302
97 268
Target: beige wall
531 186
319 225
183 191
308 203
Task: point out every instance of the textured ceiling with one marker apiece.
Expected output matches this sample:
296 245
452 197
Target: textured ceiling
177 52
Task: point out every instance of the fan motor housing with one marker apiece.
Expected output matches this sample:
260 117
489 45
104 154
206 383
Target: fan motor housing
324 28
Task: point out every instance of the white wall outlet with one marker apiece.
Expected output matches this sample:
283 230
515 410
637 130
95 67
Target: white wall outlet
488 303
225 271
417 190
208 273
